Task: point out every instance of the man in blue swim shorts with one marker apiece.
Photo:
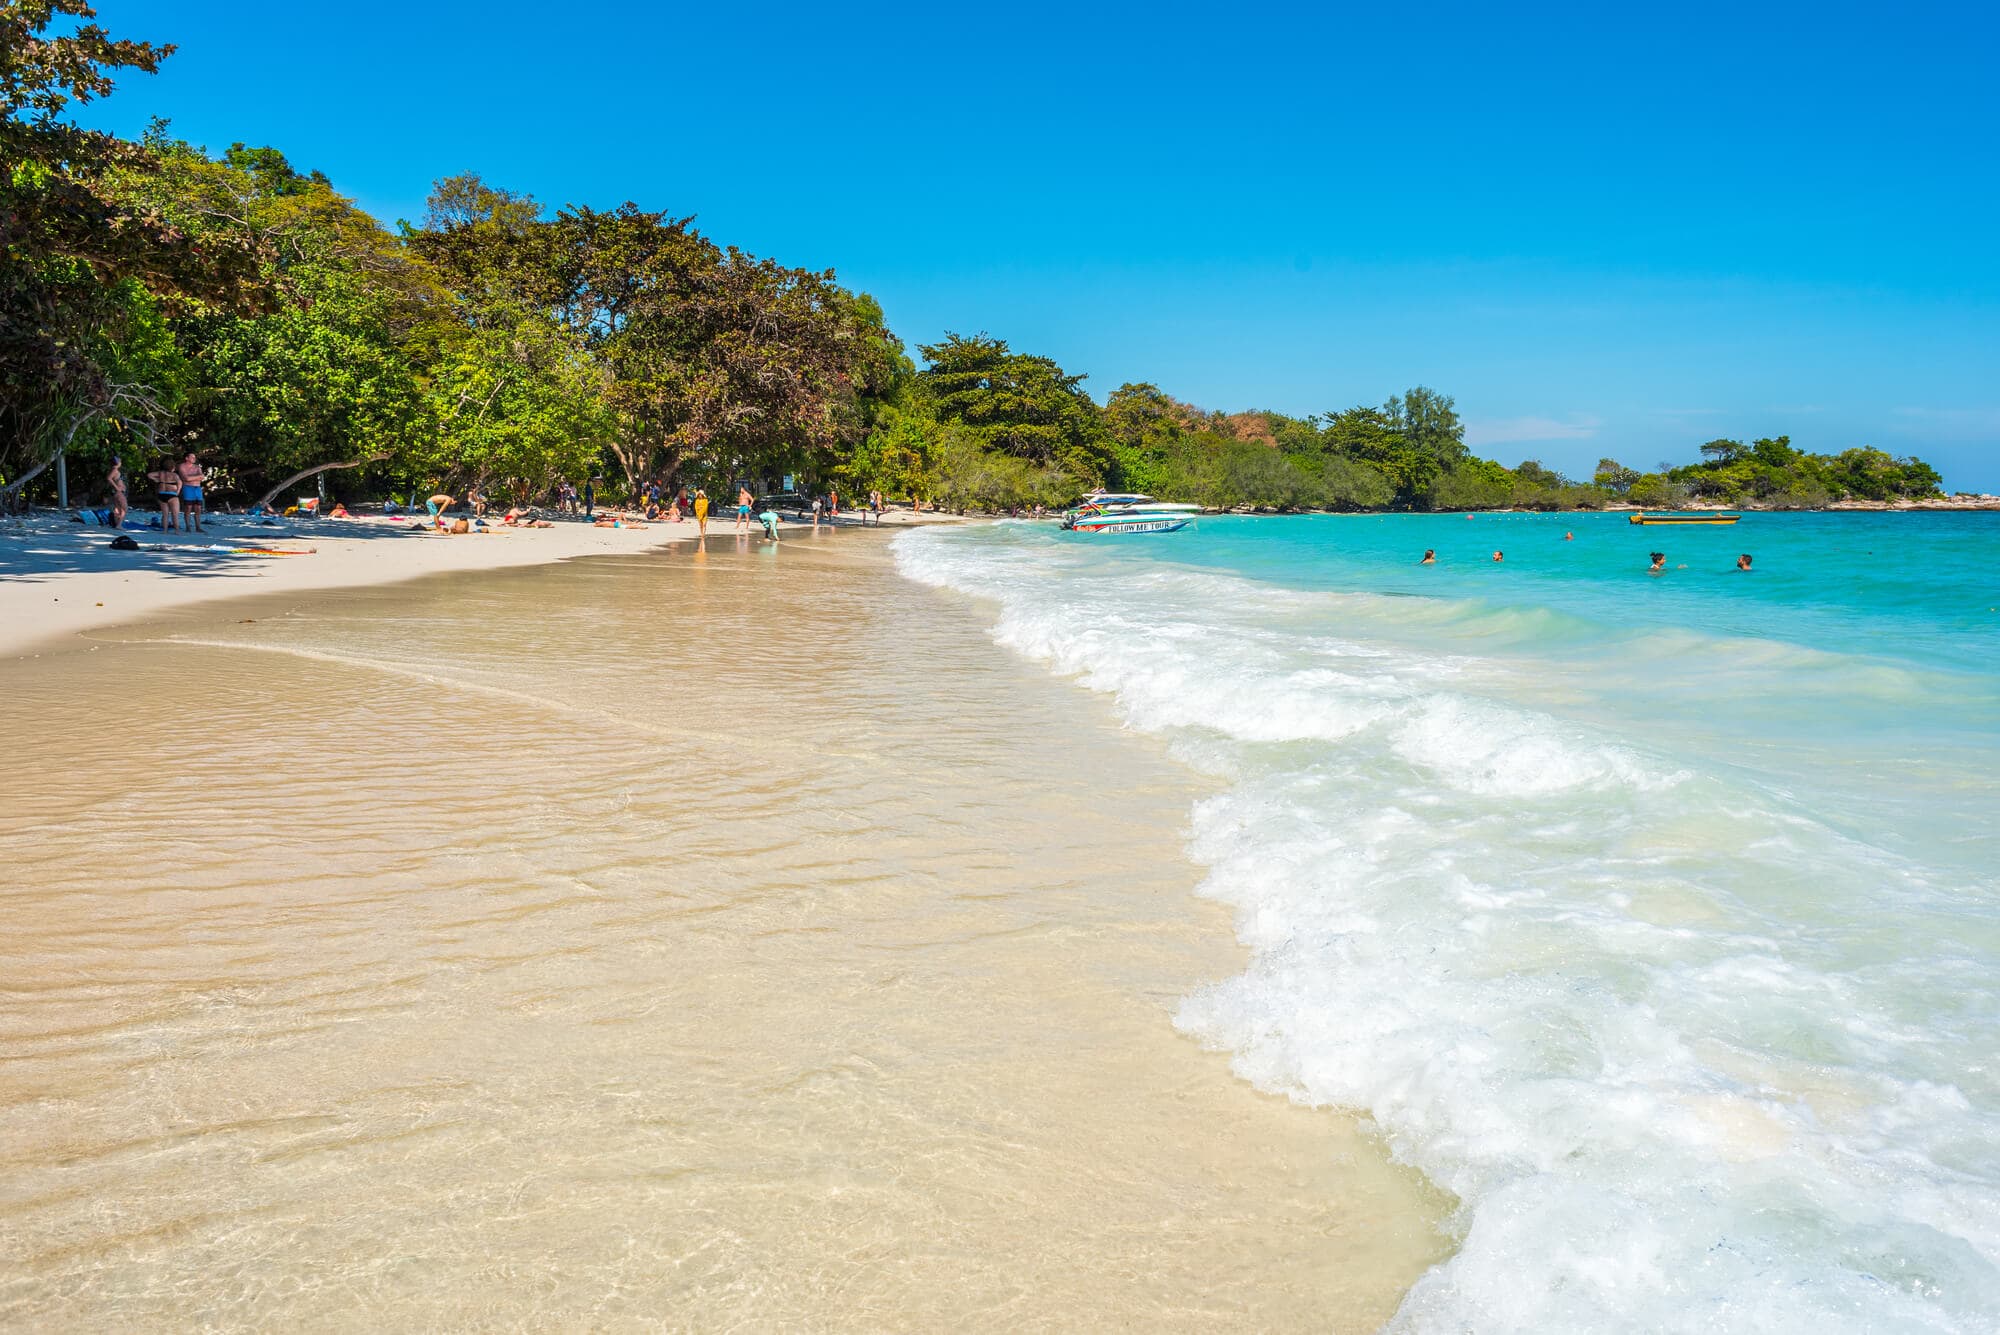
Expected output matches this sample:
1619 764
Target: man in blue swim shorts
191 481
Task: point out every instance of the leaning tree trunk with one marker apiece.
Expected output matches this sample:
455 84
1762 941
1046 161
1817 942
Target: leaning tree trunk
69 436
264 502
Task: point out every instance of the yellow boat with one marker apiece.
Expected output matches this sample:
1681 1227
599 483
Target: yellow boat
1685 519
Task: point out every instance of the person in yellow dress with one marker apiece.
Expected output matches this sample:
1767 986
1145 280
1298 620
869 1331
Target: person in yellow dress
701 511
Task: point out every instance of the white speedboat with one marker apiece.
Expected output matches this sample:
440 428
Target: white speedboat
1127 512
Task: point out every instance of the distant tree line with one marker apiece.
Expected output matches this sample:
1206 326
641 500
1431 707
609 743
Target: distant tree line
157 297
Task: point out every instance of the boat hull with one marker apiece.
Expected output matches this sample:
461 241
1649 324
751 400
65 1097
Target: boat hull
1674 520
1134 524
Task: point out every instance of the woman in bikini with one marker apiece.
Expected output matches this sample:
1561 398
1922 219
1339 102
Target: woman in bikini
116 480
167 490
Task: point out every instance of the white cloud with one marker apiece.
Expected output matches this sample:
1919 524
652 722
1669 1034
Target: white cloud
1500 431
1950 423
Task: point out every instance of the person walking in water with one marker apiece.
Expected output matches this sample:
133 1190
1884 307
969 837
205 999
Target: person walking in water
743 499
701 511
192 478
115 479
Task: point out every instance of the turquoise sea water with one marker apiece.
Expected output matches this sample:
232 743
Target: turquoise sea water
1657 917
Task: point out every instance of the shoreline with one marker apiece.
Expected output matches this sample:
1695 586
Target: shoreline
59 578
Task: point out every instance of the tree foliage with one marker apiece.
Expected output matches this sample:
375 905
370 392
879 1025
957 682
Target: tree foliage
82 266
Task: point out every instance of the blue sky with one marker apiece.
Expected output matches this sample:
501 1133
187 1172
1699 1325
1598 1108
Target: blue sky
1613 230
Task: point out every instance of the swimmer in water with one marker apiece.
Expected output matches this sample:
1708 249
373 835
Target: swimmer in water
1569 537
1659 566
1498 556
1430 557
1743 561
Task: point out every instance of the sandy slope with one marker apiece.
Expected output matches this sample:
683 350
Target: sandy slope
59 578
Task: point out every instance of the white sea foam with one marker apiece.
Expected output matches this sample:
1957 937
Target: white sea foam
1690 1057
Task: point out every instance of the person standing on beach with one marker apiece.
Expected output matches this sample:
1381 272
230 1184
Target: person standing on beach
701 511
743 499
115 479
589 496
191 482
167 490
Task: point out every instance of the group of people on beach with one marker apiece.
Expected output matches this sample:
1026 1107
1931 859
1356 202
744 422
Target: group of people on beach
176 486
1658 559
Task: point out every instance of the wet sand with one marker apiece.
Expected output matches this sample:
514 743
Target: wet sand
733 939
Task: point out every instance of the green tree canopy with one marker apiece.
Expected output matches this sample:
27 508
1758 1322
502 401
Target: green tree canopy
1018 404
82 264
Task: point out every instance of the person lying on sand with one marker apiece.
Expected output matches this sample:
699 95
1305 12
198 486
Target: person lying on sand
339 512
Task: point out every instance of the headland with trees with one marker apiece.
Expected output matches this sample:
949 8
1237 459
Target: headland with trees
159 297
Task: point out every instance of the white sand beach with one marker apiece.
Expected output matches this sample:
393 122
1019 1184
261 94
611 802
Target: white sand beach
59 577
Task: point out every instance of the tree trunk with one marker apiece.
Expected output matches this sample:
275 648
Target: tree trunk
12 487
264 502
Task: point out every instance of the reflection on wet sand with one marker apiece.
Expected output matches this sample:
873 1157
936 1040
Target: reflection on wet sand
702 938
